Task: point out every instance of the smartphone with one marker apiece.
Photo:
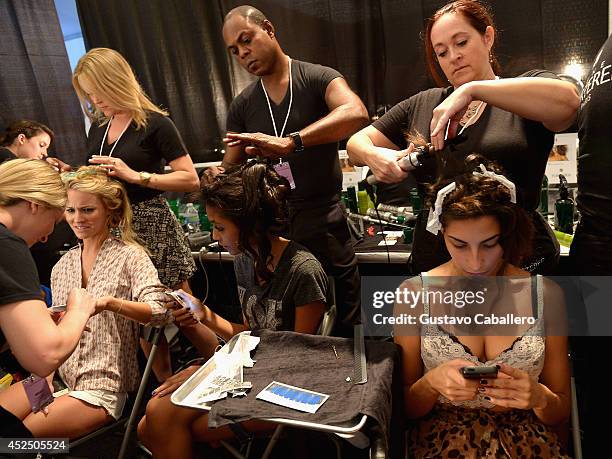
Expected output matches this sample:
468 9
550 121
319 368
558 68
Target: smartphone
479 372
184 300
58 308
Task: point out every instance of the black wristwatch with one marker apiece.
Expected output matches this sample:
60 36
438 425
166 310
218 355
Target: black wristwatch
297 140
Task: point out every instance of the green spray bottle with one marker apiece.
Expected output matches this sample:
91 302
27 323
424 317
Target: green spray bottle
564 208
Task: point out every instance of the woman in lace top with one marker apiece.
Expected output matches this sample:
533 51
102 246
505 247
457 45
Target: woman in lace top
510 415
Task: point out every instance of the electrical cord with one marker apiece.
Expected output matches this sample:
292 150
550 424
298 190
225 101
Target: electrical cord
202 251
370 190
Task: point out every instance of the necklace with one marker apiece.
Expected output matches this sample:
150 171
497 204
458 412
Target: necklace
469 118
470 112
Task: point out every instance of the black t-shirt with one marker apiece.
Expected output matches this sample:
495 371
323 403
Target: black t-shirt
146 149
6 154
316 170
18 275
595 152
518 145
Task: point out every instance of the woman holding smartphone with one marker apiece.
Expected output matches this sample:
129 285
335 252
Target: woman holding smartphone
281 286
524 389
116 270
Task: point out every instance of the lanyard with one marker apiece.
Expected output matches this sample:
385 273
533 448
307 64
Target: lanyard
118 138
288 109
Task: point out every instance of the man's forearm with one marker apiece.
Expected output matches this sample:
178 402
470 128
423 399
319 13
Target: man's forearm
339 124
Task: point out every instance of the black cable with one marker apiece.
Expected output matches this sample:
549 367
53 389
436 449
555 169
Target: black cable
370 190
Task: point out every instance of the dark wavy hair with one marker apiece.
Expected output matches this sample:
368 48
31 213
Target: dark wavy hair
477 14
479 196
253 196
25 127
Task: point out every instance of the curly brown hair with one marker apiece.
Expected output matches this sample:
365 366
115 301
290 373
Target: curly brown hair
253 196
478 196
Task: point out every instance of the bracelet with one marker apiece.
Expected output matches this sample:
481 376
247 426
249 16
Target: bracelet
120 306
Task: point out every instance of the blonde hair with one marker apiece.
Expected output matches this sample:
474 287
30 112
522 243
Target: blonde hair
95 180
113 80
31 180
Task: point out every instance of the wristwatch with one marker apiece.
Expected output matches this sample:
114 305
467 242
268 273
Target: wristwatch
297 140
145 178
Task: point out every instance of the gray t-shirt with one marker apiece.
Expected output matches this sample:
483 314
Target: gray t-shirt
298 280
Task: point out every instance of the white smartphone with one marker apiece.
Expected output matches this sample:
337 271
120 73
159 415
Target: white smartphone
58 308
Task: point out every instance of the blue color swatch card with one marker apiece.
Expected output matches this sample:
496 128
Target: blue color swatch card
292 397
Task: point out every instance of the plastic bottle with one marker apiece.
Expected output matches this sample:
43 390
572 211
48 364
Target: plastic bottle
417 202
544 197
564 208
192 218
362 199
352 199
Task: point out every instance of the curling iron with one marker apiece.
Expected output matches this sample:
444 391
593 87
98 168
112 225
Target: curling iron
409 162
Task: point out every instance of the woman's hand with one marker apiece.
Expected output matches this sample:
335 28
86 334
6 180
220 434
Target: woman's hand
59 165
79 299
116 168
102 303
174 381
187 315
447 116
383 162
516 390
447 380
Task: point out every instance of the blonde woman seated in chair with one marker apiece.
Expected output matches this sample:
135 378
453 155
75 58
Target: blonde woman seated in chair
111 265
281 286
511 415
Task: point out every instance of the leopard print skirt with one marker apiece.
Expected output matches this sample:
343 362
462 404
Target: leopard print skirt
454 432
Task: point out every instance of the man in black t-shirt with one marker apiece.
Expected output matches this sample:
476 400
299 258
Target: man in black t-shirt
591 251
592 244
295 114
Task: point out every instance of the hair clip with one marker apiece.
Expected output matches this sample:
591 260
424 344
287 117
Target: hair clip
499 178
433 221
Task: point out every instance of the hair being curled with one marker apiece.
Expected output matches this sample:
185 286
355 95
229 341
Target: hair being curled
479 17
253 196
95 180
479 196
31 180
26 127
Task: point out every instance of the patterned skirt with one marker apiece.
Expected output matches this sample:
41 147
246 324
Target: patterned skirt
455 432
161 233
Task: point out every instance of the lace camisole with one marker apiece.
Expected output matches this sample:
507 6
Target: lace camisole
526 352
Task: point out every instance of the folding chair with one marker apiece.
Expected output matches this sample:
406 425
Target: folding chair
575 420
325 328
131 422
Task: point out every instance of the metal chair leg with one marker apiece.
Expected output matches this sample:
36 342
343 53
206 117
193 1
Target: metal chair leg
576 440
143 385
